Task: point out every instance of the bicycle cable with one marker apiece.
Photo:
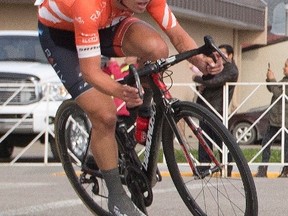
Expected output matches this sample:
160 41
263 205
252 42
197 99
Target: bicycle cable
168 74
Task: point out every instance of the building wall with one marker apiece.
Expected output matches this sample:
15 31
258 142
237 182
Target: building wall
22 16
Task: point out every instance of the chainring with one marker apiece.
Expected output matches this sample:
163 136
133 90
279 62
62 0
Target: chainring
138 185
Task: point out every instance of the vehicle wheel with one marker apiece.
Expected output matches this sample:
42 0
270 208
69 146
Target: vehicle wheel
212 188
248 138
6 149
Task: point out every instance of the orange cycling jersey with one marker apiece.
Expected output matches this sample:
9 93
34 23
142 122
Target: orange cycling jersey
85 18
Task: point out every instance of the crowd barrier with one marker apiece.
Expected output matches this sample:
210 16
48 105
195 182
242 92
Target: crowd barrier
254 93
17 109
254 89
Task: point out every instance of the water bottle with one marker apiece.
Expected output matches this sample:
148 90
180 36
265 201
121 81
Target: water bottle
142 123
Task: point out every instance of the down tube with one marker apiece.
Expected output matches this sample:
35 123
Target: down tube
153 144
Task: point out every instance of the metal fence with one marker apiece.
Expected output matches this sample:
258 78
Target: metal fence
17 117
47 131
256 88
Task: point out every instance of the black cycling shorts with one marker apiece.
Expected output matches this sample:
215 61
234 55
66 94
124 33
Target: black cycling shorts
60 50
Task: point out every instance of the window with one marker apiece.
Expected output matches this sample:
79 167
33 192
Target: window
21 48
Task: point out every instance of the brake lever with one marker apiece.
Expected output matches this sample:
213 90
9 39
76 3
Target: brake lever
133 71
210 47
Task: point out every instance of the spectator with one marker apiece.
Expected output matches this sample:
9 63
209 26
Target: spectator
128 61
275 122
112 68
211 89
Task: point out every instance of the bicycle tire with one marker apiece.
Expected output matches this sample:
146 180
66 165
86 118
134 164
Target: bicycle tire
97 201
235 195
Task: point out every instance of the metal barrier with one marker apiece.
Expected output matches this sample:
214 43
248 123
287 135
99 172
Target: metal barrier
47 131
283 97
43 105
227 115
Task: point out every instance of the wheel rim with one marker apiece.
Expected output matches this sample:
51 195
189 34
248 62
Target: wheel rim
243 136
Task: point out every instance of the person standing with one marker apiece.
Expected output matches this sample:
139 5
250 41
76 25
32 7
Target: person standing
211 88
275 121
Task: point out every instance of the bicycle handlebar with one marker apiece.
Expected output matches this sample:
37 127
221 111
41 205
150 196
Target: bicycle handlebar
163 64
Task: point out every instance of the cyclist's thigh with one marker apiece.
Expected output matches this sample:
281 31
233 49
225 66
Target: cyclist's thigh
111 38
99 107
133 37
60 50
143 40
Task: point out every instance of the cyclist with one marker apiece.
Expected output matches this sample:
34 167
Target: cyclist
74 34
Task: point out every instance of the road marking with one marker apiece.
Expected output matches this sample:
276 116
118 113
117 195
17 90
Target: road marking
41 208
10 185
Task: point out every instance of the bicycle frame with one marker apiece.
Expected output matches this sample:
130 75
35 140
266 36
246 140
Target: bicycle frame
163 108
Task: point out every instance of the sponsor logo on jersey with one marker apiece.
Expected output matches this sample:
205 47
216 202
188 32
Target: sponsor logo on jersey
90 40
85 51
98 13
79 20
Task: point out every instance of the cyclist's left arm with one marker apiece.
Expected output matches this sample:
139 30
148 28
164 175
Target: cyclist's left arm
182 41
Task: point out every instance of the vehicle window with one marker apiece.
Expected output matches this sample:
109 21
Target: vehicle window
21 48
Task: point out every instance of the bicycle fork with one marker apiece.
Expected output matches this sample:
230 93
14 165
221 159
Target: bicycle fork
192 162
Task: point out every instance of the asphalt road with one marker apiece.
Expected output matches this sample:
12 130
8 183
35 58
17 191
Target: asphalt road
43 190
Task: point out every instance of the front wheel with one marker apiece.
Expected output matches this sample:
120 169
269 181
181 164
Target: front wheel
217 185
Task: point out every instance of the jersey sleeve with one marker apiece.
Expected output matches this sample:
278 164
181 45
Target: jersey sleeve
86 25
162 14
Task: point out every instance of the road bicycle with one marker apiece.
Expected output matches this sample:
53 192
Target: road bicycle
211 188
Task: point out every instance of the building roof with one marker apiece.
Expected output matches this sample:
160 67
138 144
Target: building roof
271 39
237 14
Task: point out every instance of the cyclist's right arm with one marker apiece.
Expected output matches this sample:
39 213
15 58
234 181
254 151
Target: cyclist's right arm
81 17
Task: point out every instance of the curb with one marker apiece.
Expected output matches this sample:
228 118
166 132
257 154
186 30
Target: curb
234 174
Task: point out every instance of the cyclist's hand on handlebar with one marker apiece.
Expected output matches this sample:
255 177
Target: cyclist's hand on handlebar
209 65
131 96
214 67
